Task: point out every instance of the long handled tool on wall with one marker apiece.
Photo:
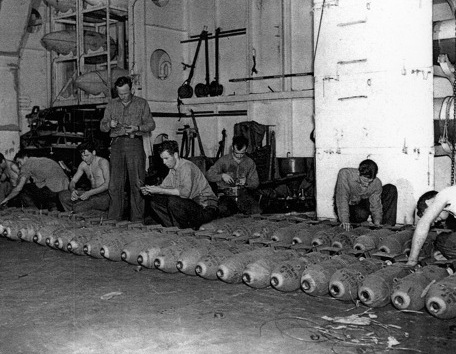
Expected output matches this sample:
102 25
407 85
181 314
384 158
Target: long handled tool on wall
215 88
202 90
186 90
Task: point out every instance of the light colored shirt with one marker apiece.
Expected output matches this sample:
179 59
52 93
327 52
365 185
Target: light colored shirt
227 164
349 191
188 179
135 113
45 172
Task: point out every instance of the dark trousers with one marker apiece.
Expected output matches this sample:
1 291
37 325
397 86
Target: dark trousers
361 211
43 198
246 203
128 161
98 201
170 210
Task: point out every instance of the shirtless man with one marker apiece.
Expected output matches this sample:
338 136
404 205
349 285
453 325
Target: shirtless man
9 174
433 207
96 169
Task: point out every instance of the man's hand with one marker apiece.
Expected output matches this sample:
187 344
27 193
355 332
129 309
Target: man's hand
346 226
227 178
3 202
149 190
85 195
412 262
74 196
130 129
113 123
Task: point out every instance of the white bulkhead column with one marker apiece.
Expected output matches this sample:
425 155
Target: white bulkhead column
374 95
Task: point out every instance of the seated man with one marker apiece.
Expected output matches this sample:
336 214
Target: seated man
184 198
359 193
47 180
96 169
236 171
9 174
433 207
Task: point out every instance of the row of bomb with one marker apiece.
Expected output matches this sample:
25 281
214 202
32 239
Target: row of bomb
233 250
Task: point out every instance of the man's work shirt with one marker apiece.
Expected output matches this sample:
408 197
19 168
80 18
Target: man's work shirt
135 113
227 164
350 191
188 179
45 173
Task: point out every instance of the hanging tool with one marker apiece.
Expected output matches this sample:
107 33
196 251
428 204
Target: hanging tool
215 88
254 70
186 91
197 134
221 149
202 90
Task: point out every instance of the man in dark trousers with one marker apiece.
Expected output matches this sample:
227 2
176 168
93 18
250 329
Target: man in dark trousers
184 198
127 118
236 171
46 179
359 194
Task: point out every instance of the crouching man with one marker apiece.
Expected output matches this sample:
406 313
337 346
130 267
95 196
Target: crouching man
185 198
96 169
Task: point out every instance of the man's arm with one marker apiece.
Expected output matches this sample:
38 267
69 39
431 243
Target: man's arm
160 190
16 190
76 177
15 170
424 224
147 121
105 123
375 203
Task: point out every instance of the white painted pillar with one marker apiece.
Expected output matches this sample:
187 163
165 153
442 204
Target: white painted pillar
374 95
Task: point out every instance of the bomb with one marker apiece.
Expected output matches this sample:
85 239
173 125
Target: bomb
315 279
63 237
189 258
408 292
207 266
325 237
230 270
82 237
371 239
146 258
217 224
267 229
93 246
166 261
43 233
131 250
286 234
376 288
344 283
286 276
441 298
258 274
347 239
396 243
112 247
305 236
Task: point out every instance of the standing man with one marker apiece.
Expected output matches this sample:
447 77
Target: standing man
236 170
359 193
127 118
96 169
9 175
185 198
47 180
433 207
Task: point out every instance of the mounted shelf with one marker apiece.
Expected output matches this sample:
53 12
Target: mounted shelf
88 39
